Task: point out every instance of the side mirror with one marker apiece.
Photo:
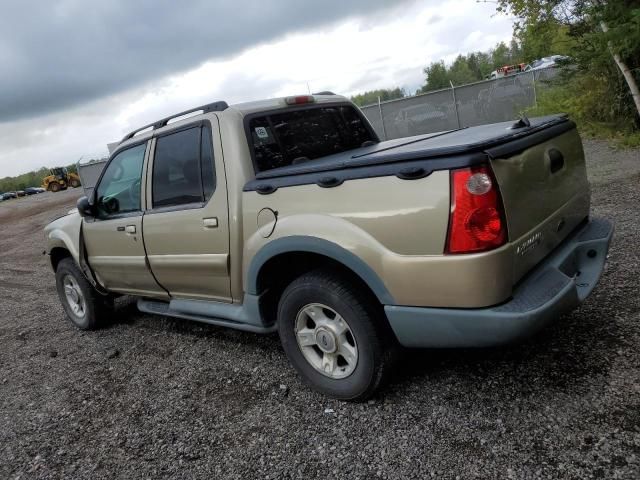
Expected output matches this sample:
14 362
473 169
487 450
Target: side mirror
85 208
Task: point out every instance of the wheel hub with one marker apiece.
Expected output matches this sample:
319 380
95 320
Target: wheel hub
74 296
325 340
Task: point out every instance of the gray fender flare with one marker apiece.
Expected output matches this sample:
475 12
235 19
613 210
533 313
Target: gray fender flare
321 247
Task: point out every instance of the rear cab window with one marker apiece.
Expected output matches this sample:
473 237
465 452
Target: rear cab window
286 138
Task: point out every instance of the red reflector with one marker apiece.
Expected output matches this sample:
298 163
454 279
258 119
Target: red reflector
476 223
300 99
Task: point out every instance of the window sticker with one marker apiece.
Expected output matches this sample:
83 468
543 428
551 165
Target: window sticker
262 133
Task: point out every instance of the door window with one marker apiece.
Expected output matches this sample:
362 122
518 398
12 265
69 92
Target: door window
183 170
119 189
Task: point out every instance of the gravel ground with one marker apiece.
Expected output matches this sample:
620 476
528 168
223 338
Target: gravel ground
150 397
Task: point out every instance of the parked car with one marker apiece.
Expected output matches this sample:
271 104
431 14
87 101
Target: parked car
10 195
31 191
417 120
20 193
291 215
503 98
1 197
545 62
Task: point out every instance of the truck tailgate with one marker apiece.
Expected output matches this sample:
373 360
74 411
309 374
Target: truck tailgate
545 192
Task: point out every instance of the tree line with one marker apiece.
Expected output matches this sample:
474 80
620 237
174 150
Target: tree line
29 179
468 68
601 39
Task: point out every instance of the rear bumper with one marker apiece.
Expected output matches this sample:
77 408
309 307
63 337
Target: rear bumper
557 285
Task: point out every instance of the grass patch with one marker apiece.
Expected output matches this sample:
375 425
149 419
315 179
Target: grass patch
588 102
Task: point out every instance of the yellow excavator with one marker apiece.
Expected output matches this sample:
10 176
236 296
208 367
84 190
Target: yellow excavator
60 179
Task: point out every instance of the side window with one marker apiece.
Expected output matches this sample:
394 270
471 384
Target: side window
183 170
119 189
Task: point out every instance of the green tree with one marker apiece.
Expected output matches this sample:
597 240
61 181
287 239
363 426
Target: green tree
472 67
480 64
460 71
437 77
371 97
603 40
501 55
543 39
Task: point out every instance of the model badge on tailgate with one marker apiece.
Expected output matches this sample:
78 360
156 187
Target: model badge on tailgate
529 244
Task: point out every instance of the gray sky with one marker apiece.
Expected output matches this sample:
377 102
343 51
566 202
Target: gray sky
78 74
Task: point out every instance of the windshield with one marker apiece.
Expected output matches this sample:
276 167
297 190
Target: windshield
291 137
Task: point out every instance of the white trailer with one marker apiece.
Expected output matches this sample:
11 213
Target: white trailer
90 173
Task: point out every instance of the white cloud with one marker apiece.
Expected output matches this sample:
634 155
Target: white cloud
348 58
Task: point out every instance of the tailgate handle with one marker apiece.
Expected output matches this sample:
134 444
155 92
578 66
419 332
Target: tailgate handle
556 160
412 173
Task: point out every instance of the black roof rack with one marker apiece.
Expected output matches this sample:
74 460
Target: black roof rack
209 107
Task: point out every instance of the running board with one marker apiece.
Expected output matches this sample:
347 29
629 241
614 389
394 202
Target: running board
239 317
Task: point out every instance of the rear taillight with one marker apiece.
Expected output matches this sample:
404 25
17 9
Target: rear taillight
476 223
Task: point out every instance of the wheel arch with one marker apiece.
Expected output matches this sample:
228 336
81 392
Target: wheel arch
280 261
58 254
300 245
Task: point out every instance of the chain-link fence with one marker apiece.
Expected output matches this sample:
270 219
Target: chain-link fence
489 101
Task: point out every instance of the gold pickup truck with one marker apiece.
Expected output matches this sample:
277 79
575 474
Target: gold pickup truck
291 215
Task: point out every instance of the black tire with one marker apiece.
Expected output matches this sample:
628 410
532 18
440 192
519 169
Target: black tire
376 344
75 183
54 187
96 306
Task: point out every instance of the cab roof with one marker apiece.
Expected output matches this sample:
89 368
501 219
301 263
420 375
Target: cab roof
244 108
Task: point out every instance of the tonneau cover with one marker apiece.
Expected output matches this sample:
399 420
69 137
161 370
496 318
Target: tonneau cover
465 141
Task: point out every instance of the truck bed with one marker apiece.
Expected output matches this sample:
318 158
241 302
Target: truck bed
415 157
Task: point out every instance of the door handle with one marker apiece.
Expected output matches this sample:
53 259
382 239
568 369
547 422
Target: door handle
130 229
210 222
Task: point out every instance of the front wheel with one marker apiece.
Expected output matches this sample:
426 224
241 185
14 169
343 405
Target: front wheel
335 335
84 306
54 187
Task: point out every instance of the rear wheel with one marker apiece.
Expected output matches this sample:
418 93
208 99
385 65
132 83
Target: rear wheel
54 187
335 335
84 306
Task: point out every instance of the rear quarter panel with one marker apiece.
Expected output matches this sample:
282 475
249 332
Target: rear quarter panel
406 217
397 227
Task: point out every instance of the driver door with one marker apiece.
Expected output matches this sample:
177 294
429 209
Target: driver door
113 239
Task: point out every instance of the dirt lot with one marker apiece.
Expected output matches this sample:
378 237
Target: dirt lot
150 397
